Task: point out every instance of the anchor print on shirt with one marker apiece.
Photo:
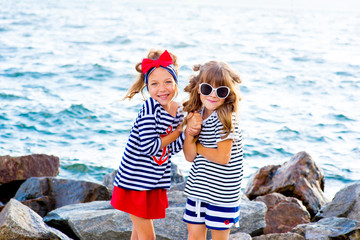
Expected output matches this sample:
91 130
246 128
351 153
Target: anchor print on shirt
165 150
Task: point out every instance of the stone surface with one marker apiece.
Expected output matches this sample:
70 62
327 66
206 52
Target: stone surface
24 167
99 220
346 203
252 218
19 222
61 191
177 199
280 236
284 213
330 228
299 178
240 236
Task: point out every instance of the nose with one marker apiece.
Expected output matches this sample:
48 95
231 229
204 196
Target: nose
213 93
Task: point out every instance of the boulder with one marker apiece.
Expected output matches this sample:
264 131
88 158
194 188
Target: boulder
346 203
252 218
60 191
299 178
278 219
20 222
24 167
99 220
280 236
330 228
176 174
8 190
240 236
108 181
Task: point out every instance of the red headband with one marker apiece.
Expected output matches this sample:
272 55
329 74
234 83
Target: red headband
164 60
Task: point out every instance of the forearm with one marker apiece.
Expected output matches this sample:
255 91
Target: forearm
166 140
189 147
215 155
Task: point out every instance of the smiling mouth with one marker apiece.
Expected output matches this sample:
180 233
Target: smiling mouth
163 96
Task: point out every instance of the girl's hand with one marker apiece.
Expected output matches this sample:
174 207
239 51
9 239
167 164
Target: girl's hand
194 121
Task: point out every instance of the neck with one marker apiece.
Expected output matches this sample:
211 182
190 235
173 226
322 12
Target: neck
207 113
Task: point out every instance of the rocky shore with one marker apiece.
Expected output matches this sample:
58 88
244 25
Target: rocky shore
280 202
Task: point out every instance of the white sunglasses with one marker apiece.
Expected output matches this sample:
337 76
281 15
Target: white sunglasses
221 92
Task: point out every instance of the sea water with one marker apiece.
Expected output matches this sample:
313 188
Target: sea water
65 66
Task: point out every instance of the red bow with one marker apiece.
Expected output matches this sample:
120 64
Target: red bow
164 60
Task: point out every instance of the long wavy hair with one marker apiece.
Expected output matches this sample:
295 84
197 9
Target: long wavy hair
139 85
217 74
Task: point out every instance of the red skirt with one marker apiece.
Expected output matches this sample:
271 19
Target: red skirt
149 204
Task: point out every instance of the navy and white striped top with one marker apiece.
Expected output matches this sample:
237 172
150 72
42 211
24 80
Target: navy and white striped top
144 165
212 182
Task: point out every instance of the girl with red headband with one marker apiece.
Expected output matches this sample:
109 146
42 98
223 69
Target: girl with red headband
143 177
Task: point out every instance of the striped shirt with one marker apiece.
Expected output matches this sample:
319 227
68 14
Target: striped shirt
211 182
144 166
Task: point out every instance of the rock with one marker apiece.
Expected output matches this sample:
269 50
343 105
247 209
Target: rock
240 236
176 174
108 181
177 199
41 205
61 191
99 220
178 187
299 178
330 228
278 219
8 190
346 203
20 222
280 236
252 218
22 168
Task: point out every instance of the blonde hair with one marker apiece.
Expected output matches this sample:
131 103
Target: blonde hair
217 74
139 85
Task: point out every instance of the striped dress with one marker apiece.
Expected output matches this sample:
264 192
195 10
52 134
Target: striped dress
144 166
211 182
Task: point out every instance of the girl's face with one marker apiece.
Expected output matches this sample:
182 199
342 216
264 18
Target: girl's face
211 102
162 87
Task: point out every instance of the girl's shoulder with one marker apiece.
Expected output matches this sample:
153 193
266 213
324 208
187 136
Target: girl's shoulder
149 107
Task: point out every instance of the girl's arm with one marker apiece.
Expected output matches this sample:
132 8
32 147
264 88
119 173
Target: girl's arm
171 137
220 155
189 147
192 129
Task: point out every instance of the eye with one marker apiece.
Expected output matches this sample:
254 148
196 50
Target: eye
153 84
169 82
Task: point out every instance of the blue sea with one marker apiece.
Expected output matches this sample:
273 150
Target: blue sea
65 65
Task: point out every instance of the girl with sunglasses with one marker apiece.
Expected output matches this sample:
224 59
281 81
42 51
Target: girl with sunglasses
214 182
144 173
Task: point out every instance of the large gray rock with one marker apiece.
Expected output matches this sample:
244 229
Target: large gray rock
252 218
346 203
99 220
330 228
300 177
24 167
19 222
61 192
